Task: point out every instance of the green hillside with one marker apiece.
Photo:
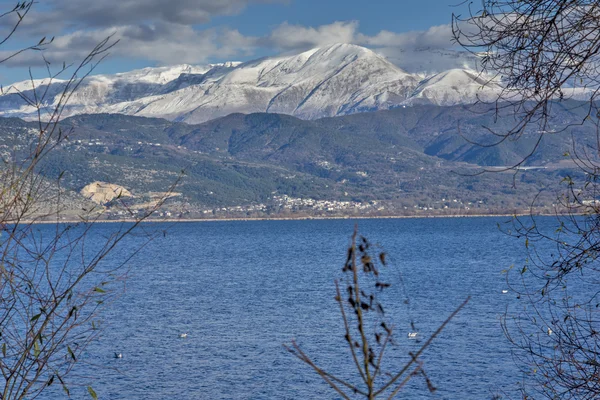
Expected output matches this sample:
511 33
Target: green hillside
407 160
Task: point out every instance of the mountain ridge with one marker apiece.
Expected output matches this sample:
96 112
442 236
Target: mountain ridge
334 80
406 160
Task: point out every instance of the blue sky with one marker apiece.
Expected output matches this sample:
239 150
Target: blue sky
374 16
158 32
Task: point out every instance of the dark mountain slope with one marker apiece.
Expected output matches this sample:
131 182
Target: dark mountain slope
408 156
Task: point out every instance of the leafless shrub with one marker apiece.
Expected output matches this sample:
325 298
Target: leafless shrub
546 52
358 298
52 283
543 51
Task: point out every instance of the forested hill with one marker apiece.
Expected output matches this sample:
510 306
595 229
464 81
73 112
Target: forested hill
414 157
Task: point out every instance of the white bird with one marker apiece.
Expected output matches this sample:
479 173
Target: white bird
504 291
118 355
549 331
183 335
412 335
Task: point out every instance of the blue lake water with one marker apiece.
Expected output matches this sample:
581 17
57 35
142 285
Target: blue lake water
243 289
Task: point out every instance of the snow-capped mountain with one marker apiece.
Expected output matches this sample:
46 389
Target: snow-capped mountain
335 80
455 86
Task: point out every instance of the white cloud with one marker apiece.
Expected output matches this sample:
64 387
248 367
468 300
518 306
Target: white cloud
426 51
298 37
165 42
436 37
162 43
288 37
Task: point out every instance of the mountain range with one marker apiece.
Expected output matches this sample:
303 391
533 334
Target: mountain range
339 125
336 80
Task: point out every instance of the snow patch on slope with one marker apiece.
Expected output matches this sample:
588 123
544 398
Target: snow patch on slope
454 87
334 80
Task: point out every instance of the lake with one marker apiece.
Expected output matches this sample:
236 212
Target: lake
242 289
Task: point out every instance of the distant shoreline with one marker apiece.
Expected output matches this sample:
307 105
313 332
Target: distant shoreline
184 220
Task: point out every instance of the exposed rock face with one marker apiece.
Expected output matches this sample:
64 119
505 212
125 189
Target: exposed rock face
103 192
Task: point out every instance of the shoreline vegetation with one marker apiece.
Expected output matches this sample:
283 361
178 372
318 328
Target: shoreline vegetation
293 218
